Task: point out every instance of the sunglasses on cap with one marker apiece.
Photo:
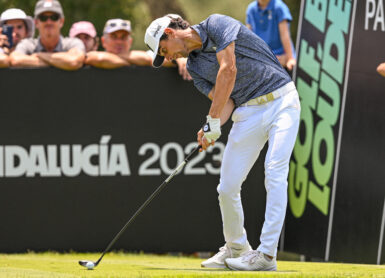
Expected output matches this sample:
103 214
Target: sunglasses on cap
114 24
44 18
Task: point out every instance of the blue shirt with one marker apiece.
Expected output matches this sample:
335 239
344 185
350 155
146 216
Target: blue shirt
258 70
265 22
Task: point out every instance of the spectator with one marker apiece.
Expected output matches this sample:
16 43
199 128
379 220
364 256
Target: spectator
381 69
50 48
86 32
270 20
4 60
117 41
23 27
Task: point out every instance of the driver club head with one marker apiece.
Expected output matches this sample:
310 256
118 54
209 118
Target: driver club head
88 264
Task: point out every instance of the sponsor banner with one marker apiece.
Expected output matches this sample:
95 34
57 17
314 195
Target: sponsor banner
81 151
357 226
320 79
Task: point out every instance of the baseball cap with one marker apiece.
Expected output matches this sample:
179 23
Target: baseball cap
82 27
117 24
152 37
48 6
11 14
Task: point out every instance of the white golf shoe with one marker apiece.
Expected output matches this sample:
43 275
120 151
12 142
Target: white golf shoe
252 261
218 260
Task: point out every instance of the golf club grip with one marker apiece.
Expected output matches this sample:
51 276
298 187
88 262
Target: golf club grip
149 199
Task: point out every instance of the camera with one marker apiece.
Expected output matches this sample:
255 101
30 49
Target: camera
8 30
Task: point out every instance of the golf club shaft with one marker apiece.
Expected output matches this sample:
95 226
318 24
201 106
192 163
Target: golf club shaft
153 195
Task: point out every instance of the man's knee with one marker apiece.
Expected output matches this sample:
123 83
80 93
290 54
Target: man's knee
228 190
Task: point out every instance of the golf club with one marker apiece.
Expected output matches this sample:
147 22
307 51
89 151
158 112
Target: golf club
90 264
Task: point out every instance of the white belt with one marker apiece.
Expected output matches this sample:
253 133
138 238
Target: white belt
271 96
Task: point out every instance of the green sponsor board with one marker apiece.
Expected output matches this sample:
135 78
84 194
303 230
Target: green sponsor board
320 78
321 61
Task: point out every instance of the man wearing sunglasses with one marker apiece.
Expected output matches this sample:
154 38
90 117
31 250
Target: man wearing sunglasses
50 48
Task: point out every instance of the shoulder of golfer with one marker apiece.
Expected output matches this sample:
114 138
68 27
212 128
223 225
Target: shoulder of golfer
230 49
222 31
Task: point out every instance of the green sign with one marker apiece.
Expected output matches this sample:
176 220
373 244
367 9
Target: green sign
320 82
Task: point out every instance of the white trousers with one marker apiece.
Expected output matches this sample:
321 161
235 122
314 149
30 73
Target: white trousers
276 122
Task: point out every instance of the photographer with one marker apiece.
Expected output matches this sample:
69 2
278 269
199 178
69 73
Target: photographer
15 26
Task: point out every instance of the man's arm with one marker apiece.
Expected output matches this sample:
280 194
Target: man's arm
137 57
381 69
4 61
182 68
286 42
225 80
227 109
23 60
71 60
220 107
105 60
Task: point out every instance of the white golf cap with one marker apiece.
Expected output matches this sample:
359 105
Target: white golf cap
11 14
152 37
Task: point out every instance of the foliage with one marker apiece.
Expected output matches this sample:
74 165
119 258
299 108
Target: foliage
141 12
96 11
198 10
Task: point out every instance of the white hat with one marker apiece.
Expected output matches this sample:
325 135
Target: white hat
152 37
117 24
11 14
43 6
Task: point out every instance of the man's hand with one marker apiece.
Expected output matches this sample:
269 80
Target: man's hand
291 63
209 133
381 69
182 62
202 141
212 129
4 42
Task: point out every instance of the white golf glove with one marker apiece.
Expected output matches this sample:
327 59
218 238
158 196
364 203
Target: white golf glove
212 129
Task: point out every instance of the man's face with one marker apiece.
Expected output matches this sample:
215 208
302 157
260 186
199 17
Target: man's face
49 24
117 42
172 48
19 30
89 42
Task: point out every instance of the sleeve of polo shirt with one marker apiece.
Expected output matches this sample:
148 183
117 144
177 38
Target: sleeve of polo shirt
76 43
222 30
25 47
201 84
283 13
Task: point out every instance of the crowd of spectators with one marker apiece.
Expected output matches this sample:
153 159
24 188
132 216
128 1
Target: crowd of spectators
269 19
20 49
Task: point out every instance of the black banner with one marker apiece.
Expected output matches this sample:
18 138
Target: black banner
81 151
336 192
360 191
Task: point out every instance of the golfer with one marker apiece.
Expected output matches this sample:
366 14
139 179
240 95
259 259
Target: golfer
235 69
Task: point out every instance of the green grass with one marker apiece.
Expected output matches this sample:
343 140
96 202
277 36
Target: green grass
117 265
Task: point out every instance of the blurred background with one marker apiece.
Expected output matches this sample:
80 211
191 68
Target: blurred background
142 12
